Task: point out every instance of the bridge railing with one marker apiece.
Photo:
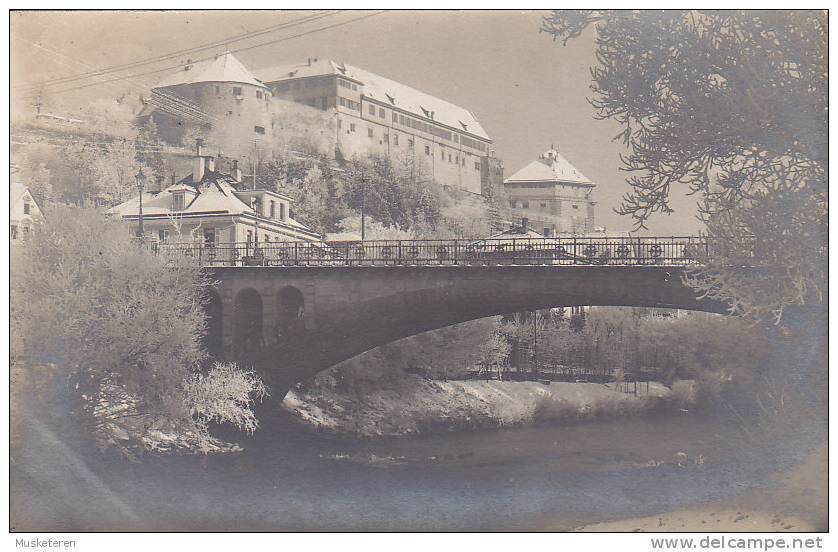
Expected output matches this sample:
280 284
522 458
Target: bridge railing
675 251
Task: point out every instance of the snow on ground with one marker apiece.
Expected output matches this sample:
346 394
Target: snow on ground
420 405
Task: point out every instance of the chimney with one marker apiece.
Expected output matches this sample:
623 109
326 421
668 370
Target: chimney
158 184
173 178
525 222
198 162
237 172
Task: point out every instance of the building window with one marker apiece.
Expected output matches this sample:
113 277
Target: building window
395 139
442 155
340 123
259 130
477 165
370 132
237 91
354 87
178 201
352 127
381 112
324 103
449 158
427 150
546 232
259 94
464 161
163 236
575 207
13 231
311 83
273 209
525 204
26 208
513 203
410 142
281 211
249 236
372 109
543 205
296 85
395 117
386 138
25 232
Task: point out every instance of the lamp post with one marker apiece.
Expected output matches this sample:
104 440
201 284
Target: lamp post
141 186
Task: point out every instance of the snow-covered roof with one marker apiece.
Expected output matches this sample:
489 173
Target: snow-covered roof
16 191
216 193
384 90
224 68
550 167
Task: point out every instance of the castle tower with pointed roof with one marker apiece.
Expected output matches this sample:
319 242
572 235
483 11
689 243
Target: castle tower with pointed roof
219 98
553 195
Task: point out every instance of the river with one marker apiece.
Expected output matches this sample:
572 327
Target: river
287 478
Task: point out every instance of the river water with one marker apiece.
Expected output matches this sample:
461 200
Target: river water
287 478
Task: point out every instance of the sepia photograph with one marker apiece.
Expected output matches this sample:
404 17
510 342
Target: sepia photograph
388 271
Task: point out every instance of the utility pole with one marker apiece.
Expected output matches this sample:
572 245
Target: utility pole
535 339
363 202
255 203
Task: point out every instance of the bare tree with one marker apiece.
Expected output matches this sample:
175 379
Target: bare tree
731 105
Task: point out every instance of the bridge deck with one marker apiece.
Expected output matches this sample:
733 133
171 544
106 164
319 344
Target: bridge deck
654 251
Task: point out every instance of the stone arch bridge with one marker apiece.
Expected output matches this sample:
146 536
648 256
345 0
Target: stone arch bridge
292 317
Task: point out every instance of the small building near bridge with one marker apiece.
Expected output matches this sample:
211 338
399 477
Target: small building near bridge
214 210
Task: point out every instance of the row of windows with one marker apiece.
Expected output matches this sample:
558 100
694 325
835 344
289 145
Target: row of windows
345 102
346 84
474 144
525 204
436 131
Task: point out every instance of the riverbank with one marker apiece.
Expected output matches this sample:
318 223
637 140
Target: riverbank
795 501
419 405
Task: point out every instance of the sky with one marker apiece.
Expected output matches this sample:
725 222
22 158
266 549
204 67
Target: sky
527 91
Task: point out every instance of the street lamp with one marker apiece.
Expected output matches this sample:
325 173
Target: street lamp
141 186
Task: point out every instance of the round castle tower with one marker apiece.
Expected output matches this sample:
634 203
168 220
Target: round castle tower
220 100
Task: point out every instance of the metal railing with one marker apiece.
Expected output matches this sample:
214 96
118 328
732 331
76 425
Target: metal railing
661 251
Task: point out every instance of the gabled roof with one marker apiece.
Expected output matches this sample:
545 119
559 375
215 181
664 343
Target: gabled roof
16 191
384 90
550 167
224 68
215 193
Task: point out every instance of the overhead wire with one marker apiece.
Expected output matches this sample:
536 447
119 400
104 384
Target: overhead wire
116 79
171 55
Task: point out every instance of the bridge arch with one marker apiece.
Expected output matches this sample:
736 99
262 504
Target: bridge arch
349 310
247 325
290 312
212 340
